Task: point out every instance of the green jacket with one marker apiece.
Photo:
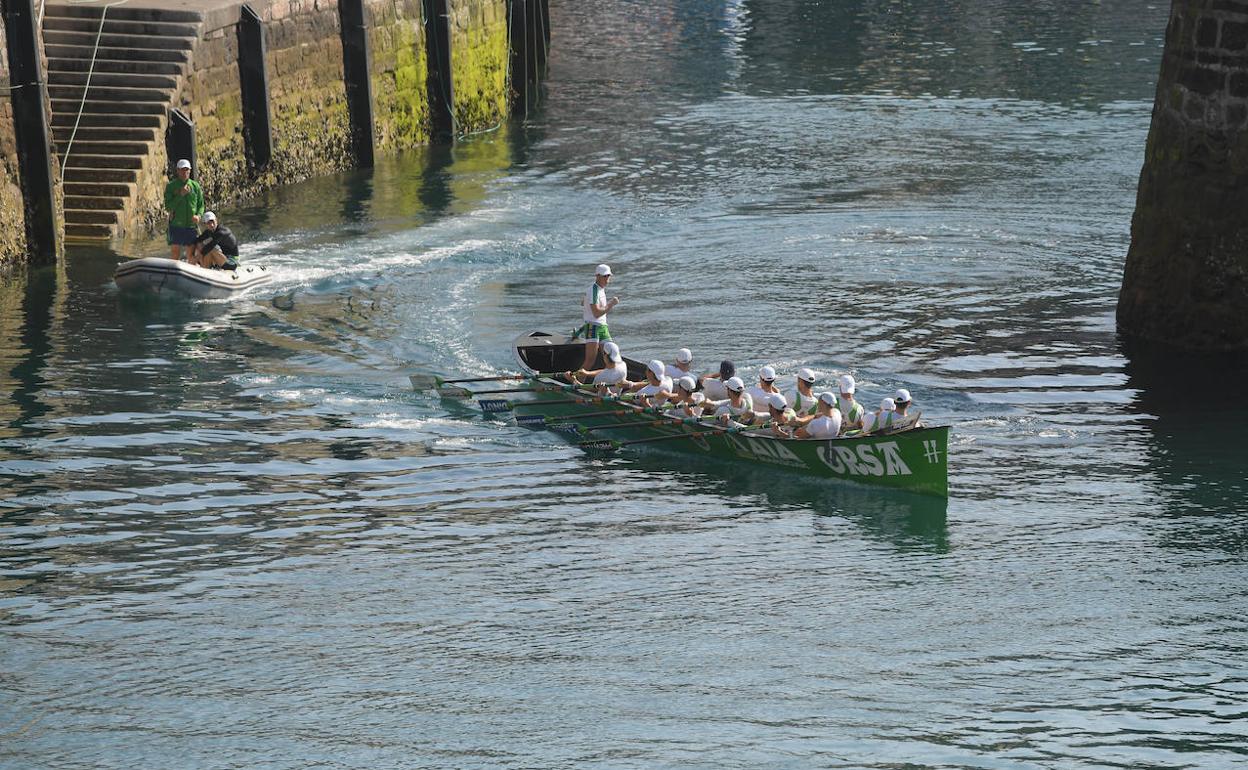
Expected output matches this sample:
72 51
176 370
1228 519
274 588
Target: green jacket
183 207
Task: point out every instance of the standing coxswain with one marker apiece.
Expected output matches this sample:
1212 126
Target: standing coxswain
595 306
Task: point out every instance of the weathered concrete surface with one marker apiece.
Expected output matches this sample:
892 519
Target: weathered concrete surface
12 217
308 97
1186 277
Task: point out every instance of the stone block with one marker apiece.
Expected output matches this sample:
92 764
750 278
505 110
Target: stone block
1201 80
1234 36
1206 33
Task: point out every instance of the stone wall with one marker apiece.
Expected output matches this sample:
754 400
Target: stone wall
308 98
12 215
1186 277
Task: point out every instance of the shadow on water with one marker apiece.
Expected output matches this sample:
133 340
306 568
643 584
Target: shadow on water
1197 448
902 519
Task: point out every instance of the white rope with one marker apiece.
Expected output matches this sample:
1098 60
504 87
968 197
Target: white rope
86 86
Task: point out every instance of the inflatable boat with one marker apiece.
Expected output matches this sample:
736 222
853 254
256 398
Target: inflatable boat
160 274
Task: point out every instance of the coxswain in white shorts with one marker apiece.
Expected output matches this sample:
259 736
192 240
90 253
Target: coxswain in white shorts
802 398
852 412
594 308
765 387
827 422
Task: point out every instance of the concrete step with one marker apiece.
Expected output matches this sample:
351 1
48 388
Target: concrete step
104 120
94 203
138 53
94 105
57 77
61 134
89 216
87 40
107 148
92 175
83 160
81 232
119 190
65 11
117 26
111 93
82 64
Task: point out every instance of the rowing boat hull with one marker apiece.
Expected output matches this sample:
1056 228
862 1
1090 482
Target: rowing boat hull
159 275
914 460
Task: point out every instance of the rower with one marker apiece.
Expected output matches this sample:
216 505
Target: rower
765 387
656 388
738 409
902 399
713 384
683 393
678 369
852 412
827 422
595 306
780 416
882 419
613 375
802 398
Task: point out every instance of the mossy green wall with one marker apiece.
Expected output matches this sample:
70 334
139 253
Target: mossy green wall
12 213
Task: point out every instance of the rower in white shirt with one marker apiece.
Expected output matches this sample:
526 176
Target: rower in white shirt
882 419
610 378
681 366
685 402
827 422
656 388
852 412
903 401
802 398
737 409
713 383
781 418
765 387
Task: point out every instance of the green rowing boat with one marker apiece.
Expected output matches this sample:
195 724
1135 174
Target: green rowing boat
915 459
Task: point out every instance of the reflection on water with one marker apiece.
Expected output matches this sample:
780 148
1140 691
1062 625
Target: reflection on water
231 530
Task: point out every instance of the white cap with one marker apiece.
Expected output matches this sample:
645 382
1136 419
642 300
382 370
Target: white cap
656 367
698 398
828 398
777 401
209 217
603 270
734 384
184 163
767 373
688 383
847 384
684 355
805 375
613 351
902 396
887 405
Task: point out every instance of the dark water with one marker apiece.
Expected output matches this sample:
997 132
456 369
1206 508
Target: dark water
232 536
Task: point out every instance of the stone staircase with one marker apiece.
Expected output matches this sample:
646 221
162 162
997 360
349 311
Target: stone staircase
142 57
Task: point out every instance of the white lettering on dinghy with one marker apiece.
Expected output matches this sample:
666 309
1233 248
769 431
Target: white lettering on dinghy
765 449
864 462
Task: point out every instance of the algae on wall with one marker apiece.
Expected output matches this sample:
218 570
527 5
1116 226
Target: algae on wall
479 59
12 207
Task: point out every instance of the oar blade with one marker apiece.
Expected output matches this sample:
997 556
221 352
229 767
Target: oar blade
600 445
454 391
531 420
424 381
494 404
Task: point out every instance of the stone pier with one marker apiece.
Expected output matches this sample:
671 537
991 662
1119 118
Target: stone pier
1186 278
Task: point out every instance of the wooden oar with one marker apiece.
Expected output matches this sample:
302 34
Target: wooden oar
610 445
427 381
644 424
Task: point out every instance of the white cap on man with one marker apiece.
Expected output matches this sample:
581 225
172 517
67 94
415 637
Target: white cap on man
612 350
806 375
688 383
777 401
887 405
656 368
684 355
603 270
697 398
209 217
902 396
828 397
734 384
184 163
847 384
767 374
